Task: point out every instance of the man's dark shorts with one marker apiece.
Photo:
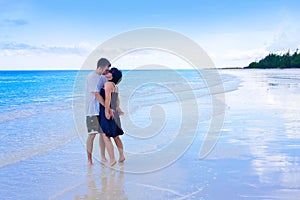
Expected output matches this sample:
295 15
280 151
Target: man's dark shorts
93 124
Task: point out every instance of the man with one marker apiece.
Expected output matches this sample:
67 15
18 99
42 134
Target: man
93 85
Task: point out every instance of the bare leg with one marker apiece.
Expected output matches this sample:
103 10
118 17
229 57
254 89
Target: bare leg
119 144
102 148
110 149
89 147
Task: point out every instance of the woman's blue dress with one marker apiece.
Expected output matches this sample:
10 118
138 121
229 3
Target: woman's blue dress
111 127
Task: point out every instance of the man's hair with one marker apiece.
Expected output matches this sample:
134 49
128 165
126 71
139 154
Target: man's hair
103 62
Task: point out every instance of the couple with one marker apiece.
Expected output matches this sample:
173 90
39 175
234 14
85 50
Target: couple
102 111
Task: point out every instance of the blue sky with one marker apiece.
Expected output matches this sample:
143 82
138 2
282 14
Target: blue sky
61 34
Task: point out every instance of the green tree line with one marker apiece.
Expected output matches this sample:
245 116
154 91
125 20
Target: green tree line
278 61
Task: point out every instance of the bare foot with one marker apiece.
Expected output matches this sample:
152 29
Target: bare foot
103 160
113 162
90 163
122 158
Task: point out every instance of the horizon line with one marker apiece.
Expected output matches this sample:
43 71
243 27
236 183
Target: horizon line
3 70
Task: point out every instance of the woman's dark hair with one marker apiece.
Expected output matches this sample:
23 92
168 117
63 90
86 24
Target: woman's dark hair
116 75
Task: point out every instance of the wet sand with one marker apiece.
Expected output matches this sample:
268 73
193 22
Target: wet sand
255 157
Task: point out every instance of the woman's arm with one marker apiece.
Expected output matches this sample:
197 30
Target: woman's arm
119 110
108 87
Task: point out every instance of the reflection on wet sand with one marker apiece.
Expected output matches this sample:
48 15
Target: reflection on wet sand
270 132
273 164
106 185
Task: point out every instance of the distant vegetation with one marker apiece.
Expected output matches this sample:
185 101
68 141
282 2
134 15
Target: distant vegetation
278 61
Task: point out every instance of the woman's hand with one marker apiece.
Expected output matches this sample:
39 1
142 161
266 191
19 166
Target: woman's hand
107 115
110 114
119 110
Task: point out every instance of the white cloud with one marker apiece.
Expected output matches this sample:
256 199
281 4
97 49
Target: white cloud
152 58
15 49
286 39
239 49
236 49
25 56
15 22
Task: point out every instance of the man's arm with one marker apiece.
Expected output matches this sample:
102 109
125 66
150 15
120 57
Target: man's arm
101 101
99 98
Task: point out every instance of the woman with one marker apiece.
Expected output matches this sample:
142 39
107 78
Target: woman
110 121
